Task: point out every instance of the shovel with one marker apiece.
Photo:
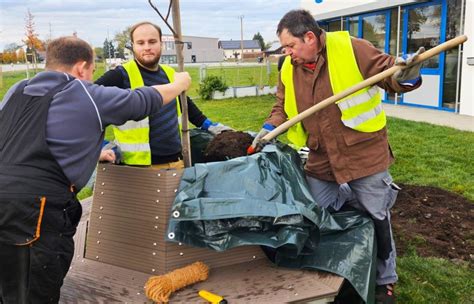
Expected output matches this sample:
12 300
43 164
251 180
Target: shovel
366 83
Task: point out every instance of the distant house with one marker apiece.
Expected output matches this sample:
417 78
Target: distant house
274 49
233 48
275 53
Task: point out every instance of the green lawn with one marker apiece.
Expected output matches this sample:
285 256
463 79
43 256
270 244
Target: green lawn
9 79
425 155
232 76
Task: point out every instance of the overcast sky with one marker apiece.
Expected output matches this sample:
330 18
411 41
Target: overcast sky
93 20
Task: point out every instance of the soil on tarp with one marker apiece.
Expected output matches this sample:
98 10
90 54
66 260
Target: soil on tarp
434 222
227 145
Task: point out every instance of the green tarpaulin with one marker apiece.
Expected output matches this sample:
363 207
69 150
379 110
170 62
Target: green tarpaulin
263 199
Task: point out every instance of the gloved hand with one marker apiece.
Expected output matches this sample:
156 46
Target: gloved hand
214 127
257 144
411 75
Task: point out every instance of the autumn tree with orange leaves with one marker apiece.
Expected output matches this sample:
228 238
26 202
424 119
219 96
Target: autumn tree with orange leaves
33 43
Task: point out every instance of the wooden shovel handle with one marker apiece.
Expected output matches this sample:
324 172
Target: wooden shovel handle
366 83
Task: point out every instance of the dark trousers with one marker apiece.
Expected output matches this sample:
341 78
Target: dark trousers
35 273
14 268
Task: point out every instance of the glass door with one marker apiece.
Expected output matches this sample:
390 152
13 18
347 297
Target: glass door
423 26
451 62
395 46
374 29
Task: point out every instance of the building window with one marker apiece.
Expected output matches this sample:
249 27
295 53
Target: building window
451 56
167 59
324 26
168 45
354 26
395 30
334 26
424 29
344 23
373 30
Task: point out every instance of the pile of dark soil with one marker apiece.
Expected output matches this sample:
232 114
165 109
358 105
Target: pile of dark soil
434 222
227 145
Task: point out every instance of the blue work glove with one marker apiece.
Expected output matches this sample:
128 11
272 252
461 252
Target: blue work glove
257 144
409 76
214 127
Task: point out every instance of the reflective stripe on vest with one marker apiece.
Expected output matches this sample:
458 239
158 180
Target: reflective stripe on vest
133 137
296 134
169 71
361 111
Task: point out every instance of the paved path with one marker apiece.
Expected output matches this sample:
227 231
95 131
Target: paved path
436 117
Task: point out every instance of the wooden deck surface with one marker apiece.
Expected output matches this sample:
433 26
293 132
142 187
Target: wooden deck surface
89 281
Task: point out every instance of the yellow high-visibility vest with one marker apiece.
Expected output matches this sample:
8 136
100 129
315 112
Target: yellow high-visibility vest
361 111
297 135
133 137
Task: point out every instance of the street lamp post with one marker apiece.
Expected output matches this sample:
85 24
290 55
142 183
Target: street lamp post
241 38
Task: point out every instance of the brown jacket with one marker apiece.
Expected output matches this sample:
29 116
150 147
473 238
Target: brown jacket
338 153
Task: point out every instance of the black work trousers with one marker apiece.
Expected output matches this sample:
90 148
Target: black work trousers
35 273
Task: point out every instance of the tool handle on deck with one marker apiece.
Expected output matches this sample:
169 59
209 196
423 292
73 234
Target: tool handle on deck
367 82
211 297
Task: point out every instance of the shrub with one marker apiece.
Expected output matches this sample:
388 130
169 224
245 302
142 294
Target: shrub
211 84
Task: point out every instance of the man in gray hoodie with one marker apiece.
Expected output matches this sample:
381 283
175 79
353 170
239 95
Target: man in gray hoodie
51 132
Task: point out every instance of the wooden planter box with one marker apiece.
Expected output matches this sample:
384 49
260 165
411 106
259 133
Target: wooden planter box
129 219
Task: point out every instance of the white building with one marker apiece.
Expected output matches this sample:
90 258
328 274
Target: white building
402 26
196 49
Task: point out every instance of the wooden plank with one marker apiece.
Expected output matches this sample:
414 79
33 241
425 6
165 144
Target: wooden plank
178 256
253 282
261 282
93 282
122 230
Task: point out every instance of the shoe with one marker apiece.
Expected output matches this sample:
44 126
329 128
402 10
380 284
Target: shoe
384 294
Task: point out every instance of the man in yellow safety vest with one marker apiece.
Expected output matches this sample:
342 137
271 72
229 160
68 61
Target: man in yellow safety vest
347 141
155 140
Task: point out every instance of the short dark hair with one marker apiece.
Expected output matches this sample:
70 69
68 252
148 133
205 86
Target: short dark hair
135 26
298 23
67 51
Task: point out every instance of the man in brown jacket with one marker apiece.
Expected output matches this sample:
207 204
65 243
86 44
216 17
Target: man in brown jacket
348 158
